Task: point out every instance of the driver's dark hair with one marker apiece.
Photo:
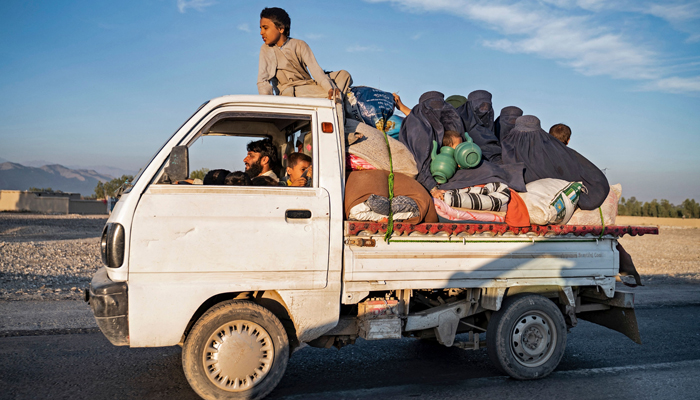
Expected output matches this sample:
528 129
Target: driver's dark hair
266 149
279 17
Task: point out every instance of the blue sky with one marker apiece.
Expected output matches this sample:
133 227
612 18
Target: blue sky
105 83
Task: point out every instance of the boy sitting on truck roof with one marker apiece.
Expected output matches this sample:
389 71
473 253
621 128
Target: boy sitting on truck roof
298 171
261 159
284 61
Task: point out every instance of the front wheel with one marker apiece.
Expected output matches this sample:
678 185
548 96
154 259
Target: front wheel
526 338
236 350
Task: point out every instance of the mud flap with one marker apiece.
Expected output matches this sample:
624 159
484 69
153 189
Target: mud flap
616 313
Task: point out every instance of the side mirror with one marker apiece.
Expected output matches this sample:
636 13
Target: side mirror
178 168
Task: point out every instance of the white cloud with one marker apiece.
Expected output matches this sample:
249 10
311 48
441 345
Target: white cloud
675 85
198 5
244 27
570 32
363 49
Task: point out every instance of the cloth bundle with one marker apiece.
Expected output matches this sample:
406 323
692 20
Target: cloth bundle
371 147
356 163
377 208
361 185
551 201
490 197
447 213
608 209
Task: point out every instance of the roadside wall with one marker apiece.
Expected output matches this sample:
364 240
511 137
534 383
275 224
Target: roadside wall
19 200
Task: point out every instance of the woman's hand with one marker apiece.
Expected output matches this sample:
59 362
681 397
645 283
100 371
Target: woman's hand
400 106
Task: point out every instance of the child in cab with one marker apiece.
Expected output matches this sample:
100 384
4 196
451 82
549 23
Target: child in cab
298 171
288 67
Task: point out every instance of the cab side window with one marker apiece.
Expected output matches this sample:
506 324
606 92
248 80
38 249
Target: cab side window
253 149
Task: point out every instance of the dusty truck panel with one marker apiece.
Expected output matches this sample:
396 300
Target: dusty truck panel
450 262
258 271
188 239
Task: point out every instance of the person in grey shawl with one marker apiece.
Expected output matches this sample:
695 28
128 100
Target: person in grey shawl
428 121
506 121
545 156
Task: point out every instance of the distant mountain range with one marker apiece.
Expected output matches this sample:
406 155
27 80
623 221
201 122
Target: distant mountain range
114 172
15 176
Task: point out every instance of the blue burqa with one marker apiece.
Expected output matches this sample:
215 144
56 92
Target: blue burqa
477 118
428 121
545 156
506 121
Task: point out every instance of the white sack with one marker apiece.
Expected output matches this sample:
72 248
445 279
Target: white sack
551 201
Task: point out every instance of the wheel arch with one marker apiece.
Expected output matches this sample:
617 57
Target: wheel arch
269 299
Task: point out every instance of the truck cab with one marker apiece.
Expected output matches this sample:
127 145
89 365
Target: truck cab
242 276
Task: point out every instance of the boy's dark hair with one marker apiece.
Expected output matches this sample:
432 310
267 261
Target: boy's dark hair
294 158
279 17
449 135
215 177
238 178
561 132
263 180
266 149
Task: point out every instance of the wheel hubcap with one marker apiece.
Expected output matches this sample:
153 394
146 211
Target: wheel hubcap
238 355
532 339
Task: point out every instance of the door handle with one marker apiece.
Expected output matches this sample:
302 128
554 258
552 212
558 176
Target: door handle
297 214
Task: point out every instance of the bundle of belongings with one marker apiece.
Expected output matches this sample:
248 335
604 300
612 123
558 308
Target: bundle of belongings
449 160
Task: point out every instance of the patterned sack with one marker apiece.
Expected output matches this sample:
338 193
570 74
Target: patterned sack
608 209
490 197
551 201
369 105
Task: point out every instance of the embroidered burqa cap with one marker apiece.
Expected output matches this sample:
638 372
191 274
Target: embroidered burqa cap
506 121
545 156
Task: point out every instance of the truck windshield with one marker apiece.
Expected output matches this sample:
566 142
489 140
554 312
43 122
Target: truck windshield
128 185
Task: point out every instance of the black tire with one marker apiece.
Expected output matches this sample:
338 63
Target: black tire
526 338
212 352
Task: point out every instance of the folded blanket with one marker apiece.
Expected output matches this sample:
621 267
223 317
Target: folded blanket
453 214
490 197
372 148
362 184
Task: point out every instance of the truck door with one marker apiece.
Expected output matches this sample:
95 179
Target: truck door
229 238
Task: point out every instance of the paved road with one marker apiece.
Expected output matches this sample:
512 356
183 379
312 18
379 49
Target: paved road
598 364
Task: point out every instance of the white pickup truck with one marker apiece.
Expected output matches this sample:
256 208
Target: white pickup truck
242 276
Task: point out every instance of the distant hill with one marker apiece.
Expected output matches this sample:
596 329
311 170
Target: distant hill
15 176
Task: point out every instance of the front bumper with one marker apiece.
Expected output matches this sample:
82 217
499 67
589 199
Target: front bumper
110 305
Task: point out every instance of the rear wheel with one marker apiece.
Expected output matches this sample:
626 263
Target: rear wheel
236 350
526 338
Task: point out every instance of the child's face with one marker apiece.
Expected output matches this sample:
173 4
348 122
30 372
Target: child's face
270 33
296 172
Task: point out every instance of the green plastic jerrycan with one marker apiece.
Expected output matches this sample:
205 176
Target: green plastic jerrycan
467 154
443 166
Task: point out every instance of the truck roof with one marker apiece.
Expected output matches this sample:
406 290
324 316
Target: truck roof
268 100
364 228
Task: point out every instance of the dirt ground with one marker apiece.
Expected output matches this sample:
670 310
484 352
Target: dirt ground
53 257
